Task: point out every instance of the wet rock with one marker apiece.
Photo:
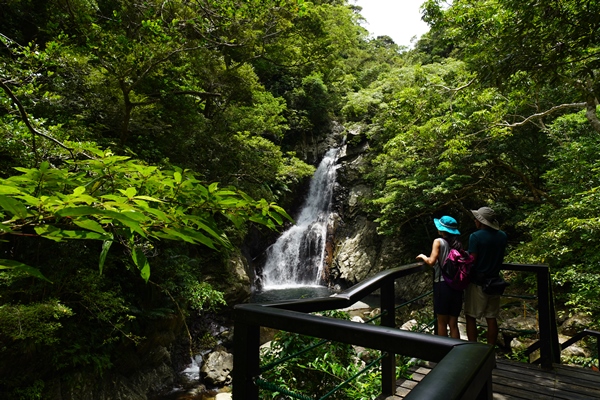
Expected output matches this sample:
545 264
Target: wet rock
217 368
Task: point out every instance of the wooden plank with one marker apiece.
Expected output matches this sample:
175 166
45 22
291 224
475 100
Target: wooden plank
402 392
568 378
581 373
408 384
521 381
539 388
573 385
511 393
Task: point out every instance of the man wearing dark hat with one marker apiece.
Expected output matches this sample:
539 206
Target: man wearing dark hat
487 245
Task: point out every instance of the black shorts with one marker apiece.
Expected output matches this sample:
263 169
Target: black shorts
447 301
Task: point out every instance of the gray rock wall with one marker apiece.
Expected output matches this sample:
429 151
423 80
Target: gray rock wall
358 250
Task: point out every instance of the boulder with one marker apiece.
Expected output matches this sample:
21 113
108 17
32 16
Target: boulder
240 289
517 324
410 325
574 350
217 368
575 324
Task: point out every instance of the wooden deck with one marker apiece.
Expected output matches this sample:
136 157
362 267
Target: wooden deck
515 381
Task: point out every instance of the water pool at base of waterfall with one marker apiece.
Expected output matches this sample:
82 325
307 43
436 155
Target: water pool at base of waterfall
290 293
302 292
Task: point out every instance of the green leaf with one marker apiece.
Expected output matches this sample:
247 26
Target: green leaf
14 207
77 211
56 234
49 232
140 260
174 234
5 189
105 247
5 229
201 238
129 192
281 211
113 197
177 176
90 225
276 217
148 198
11 264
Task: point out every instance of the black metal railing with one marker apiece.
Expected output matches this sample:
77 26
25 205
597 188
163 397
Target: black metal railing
548 331
580 336
463 370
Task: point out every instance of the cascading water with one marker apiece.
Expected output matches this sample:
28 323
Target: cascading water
296 258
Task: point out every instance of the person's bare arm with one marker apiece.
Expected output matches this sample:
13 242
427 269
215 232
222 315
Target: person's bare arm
435 251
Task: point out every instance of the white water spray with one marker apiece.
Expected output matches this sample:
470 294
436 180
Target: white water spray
296 258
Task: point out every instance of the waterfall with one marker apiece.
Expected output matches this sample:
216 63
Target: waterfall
296 258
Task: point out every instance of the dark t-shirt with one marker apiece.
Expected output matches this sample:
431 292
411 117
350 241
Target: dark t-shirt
489 245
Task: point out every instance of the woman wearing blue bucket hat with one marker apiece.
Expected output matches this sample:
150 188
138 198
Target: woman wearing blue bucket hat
447 302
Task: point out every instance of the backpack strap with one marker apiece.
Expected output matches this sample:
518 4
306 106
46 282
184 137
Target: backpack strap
443 254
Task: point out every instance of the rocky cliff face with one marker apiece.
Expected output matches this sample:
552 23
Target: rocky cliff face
358 251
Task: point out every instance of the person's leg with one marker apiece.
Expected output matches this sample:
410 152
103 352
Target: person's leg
492 331
472 309
453 324
491 314
471 328
442 325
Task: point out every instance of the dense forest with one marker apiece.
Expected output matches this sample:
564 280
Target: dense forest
142 140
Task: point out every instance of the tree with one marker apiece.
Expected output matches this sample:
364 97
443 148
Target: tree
511 42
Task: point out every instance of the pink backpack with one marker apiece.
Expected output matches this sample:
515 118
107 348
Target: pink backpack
457 268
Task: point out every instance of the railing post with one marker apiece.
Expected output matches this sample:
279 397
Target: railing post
388 318
549 348
598 347
246 346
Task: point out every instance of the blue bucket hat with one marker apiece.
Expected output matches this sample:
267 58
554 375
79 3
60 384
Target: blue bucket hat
447 224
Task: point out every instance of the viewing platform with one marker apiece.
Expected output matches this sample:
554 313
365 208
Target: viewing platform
452 369
513 380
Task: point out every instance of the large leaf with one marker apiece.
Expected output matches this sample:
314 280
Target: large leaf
5 189
14 207
18 266
90 224
140 260
56 234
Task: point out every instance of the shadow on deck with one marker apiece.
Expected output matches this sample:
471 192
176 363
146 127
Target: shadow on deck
513 380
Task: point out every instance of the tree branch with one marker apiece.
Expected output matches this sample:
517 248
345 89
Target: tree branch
26 120
543 114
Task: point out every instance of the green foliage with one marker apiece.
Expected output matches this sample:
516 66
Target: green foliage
518 355
436 142
585 362
36 323
112 198
205 106
319 370
564 236
31 392
203 297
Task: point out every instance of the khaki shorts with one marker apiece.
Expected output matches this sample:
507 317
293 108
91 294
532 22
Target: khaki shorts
479 304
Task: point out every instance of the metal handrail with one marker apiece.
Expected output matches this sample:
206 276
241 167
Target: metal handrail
548 341
581 335
472 379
